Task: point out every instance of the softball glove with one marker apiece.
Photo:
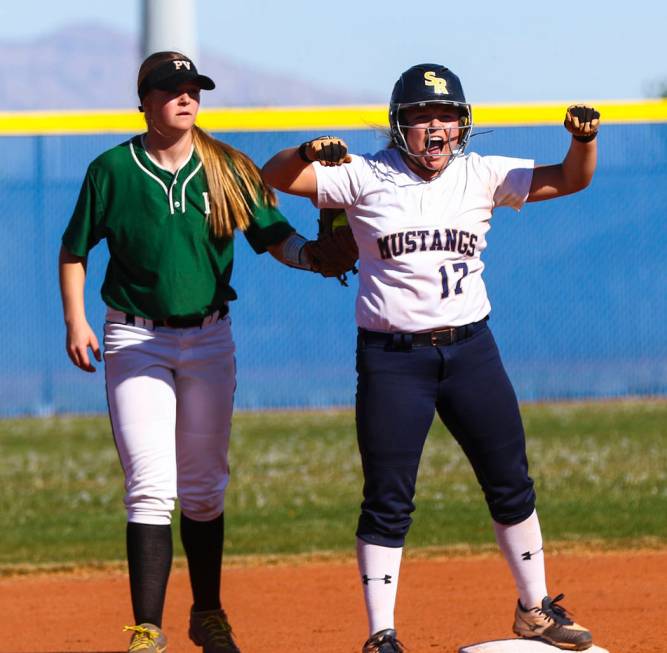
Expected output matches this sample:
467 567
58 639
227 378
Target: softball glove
335 251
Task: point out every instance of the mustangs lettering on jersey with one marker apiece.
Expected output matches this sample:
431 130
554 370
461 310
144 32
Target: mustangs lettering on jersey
427 240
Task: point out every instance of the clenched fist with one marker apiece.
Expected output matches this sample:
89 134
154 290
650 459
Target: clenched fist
582 122
328 150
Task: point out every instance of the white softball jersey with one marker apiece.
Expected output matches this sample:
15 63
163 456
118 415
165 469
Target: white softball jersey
420 242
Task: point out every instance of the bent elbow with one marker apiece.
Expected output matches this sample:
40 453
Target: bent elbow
585 183
579 183
274 177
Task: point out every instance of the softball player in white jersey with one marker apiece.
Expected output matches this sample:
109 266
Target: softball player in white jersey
168 203
420 211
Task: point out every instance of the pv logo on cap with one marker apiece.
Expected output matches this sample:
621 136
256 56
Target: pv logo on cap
180 62
440 84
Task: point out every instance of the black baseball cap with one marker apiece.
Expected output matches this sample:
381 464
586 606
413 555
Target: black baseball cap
171 74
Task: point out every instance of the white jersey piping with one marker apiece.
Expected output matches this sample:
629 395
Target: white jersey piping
147 171
185 183
168 191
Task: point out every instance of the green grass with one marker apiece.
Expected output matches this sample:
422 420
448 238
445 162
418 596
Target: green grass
600 471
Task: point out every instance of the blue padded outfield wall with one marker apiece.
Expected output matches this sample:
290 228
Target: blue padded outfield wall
577 284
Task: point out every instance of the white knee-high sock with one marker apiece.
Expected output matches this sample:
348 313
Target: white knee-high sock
379 567
521 545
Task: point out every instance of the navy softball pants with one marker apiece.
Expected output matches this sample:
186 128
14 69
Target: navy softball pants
399 388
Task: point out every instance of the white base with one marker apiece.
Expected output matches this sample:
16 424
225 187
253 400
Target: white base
519 646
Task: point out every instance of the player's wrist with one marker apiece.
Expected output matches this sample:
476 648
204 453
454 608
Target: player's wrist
75 321
295 252
585 139
304 257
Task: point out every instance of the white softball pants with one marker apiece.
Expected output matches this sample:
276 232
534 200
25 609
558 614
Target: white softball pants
170 394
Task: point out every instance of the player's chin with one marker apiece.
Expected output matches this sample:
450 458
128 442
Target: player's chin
435 162
183 122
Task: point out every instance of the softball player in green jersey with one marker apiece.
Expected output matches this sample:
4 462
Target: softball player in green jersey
168 202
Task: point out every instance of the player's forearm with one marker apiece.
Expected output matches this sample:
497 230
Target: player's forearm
579 164
577 169
292 171
72 272
288 172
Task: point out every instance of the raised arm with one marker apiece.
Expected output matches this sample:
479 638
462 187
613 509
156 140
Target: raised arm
578 166
291 170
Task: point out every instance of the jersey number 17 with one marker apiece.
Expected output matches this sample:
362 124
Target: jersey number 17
460 269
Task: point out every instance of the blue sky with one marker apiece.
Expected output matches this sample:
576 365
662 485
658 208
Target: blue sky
512 51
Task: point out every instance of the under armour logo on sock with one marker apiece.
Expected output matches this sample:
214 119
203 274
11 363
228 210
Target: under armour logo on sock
528 555
386 578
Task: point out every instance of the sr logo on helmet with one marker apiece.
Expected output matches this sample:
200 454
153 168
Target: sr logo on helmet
439 84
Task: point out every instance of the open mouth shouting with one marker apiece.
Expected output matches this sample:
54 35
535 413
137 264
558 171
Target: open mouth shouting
435 145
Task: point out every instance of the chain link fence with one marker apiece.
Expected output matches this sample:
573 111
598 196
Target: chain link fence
577 285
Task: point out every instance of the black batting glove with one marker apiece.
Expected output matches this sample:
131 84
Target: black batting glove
582 122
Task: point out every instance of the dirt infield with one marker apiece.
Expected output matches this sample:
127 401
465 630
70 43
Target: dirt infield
443 603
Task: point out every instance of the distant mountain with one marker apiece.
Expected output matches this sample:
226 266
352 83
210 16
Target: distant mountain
90 66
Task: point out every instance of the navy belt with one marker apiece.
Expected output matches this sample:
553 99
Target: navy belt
177 321
436 338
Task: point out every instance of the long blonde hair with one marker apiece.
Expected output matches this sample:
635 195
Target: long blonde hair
234 182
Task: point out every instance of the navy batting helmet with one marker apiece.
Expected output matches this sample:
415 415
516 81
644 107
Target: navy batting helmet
428 83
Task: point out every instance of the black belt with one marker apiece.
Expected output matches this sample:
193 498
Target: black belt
436 338
180 322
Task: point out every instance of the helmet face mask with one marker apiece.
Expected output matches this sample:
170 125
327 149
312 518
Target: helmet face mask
421 86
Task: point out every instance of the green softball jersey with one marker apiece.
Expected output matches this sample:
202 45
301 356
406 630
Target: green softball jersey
164 261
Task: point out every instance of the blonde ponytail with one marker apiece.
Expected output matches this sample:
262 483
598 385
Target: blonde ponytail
234 184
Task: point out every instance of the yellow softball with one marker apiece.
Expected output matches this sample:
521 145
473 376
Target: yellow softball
339 221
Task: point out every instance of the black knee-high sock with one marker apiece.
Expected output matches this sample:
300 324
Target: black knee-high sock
203 542
149 555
